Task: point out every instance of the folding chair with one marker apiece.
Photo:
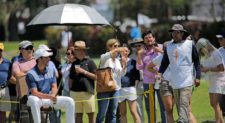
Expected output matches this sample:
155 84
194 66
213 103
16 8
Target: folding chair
25 111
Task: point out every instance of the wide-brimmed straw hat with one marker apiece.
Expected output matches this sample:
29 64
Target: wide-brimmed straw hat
137 41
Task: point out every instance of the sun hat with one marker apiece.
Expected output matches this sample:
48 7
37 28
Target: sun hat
177 27
137 41
42 53
25 44
80 45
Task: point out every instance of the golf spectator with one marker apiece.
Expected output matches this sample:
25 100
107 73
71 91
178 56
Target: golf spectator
129 84
109 59
5 74
166 92
213 66
139 44
42 86
66 71
14 114
23 65
82 86
181 55
145 56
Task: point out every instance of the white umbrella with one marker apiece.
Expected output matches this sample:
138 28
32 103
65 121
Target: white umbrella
68 14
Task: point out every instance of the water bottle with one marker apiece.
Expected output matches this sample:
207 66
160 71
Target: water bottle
157 80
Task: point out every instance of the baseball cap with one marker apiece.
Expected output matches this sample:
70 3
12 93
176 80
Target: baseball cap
25 44
42 53
1 46
43 46
221 34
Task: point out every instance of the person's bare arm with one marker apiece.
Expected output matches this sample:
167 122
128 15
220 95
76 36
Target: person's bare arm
86 73
140 52
54 89
12 80
151 66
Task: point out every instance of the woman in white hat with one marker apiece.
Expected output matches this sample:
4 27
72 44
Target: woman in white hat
213 67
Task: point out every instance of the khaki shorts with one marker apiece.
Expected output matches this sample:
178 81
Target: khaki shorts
165 88
182 98
87 106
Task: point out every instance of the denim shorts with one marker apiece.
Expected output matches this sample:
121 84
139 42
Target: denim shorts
165 88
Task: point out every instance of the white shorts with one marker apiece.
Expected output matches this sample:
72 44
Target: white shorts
131 91
218 89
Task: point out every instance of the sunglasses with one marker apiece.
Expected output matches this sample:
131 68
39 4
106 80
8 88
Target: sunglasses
136 46
116 45
68 54
29 48
176 31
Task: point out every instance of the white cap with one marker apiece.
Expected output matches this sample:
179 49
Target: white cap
43 46
41 53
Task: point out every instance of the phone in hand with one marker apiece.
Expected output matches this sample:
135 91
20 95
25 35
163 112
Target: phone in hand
155 44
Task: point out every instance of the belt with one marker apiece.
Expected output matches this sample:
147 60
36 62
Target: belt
2 86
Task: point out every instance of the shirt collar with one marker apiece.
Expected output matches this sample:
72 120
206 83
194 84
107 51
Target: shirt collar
39 72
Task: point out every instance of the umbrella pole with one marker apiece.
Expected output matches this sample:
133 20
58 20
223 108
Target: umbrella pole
68 37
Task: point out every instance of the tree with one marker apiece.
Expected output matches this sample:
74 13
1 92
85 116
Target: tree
6 9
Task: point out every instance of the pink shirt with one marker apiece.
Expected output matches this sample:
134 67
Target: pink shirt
149 77
23 65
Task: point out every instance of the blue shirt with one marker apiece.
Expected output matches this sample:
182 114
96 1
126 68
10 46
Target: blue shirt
132 74
4 71
17 58
135 33
52 65
42 81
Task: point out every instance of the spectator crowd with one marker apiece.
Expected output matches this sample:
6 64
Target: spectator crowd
168 71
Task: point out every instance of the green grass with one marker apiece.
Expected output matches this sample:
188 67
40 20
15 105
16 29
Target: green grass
200 99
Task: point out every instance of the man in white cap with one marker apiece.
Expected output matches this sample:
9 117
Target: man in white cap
41 81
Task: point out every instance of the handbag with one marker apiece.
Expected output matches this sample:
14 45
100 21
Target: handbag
105 82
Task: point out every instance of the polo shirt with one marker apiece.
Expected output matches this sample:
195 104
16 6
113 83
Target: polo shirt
80 82
4 71
42 81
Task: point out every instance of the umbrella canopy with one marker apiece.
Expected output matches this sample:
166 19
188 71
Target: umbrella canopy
68 14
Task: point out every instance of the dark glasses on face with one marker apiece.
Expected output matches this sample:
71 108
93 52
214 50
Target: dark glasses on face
29 48
137 46
68 54
116 45
176 31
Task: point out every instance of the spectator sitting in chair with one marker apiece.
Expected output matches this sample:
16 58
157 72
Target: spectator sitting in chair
41 81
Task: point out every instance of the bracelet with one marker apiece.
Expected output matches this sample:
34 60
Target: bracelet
85 73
